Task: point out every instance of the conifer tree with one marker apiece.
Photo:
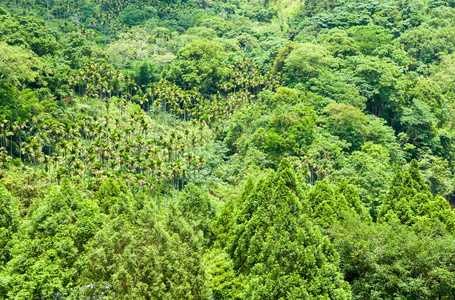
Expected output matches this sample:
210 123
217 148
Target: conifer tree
224 283
351 196
325 204
279 250
49 244
148 256
331 204
113 197
409 201
197 209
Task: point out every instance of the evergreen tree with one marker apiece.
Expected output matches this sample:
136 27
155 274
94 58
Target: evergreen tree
113 197
279 250
223 280
197 209
48 246
146 257
409 200
332 204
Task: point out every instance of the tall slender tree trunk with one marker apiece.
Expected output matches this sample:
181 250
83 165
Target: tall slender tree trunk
48 16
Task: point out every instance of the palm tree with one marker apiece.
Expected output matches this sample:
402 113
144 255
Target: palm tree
4 158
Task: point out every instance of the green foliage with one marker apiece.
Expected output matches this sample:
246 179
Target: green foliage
424 43
340 43
306 61
282 55
9 216
389 261
283 96
325 204
77 51
150 255
133 15
349 123
272 227
418 122
197 209
290 131
435 171
351 196
409 201
11 108
223 281
145 72
378 80
218 24
136 47
339 86
331 204
17 65
128 129
312 8
48 245
369 38
199 64
429 92
28 32
367 169
28 188
113 197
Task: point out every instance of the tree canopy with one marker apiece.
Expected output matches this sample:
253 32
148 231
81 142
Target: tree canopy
259 149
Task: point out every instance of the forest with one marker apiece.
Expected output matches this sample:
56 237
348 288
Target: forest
227 149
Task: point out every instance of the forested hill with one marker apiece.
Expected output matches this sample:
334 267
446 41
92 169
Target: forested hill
227 149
